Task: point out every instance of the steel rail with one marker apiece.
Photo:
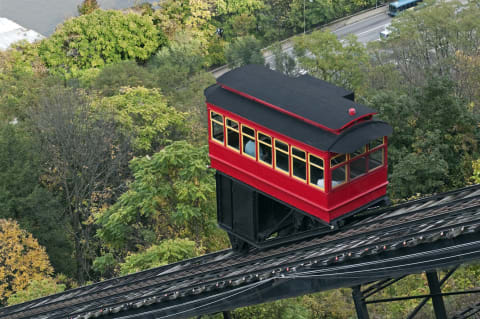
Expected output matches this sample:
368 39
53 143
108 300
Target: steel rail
272 255
128 280
409 235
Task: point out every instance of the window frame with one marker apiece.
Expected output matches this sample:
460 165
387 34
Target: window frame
264 143
282 151
378 146
376 149
248 136
364 153
211 127
235 130
316 166
341 163
299 158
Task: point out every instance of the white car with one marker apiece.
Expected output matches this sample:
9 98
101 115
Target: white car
386 32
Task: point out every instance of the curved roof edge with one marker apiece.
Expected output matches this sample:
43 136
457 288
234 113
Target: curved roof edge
359 135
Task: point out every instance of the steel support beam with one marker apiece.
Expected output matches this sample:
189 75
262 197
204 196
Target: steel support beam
437 300
425 300
360 306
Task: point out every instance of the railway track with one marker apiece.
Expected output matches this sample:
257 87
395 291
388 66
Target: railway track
428 220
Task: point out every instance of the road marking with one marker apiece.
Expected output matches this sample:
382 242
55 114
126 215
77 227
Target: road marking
370 30
362 20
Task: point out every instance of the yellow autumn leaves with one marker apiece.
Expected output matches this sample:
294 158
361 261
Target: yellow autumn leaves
22 259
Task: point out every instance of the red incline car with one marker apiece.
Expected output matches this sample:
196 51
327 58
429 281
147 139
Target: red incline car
288 150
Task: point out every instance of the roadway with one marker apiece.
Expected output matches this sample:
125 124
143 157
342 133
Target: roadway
366 26
365 30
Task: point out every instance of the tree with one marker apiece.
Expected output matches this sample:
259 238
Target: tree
190 16
87 156
185 54
25 198
173 195
22 259
441 39
244 50
434 141
322 55
22 77
87 7
237 18
179 71
36 289
113 77
100 38
284 62
144 114
168 251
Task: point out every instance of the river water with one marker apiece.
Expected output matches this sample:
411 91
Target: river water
44 15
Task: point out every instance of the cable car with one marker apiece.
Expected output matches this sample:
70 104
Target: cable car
292 155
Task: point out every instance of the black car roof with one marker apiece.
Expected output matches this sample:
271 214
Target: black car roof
347 141
316 101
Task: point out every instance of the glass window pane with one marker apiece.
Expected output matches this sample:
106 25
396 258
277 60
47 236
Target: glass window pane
217 131
298 153
315 160
232 124
375 143
249 146
358 167
338 159
249 131
299 168
264 138
281 145
216 117
233 139
338 176
375 159
265 153
316 176
361 150
281 161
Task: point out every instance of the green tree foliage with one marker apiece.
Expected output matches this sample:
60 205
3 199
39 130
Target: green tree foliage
318 12
284 62
282 309
173 195
434 140
87 6
22 259
25 199
22 78
86 156
98 39
178 61
274 20
237 17
144 114
178 70
322 55
36 289
191 16
115 76
244 50
168 251
441 39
